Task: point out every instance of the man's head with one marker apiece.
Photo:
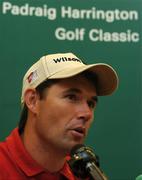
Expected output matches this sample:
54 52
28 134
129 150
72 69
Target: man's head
60 93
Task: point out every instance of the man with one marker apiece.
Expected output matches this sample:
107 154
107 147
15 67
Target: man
59 96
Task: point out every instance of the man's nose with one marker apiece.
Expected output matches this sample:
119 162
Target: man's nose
85 112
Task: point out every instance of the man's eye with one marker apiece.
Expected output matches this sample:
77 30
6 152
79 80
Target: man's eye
91 104
72 97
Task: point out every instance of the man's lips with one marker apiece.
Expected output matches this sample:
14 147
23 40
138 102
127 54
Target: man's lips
79 131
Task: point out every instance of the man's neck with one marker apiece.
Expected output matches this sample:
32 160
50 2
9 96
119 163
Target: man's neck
46 156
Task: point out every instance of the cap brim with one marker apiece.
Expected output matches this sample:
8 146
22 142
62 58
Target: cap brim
107 80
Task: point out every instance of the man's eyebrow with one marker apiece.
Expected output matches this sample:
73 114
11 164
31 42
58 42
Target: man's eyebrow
73 90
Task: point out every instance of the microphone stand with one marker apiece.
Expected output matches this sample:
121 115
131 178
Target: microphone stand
95 172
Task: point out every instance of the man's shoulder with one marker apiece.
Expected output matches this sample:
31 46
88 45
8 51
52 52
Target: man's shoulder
4 160
7 166
3 147
4 153
7 163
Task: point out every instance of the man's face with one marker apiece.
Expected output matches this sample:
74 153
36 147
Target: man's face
64 116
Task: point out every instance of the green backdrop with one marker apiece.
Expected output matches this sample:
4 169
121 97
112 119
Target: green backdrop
97 31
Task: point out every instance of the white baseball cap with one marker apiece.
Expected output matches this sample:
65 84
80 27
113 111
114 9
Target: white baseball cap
64 65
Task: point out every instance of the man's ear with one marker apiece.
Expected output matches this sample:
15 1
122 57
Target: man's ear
31 98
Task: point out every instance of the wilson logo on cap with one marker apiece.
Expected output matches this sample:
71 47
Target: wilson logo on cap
65 59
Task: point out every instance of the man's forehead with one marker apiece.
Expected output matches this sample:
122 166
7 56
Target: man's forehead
77 86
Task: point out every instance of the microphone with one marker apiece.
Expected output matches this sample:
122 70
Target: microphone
84 163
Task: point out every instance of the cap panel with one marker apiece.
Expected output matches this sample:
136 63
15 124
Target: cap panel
60 62
70 71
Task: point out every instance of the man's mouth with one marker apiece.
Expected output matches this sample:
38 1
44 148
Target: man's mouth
79 131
